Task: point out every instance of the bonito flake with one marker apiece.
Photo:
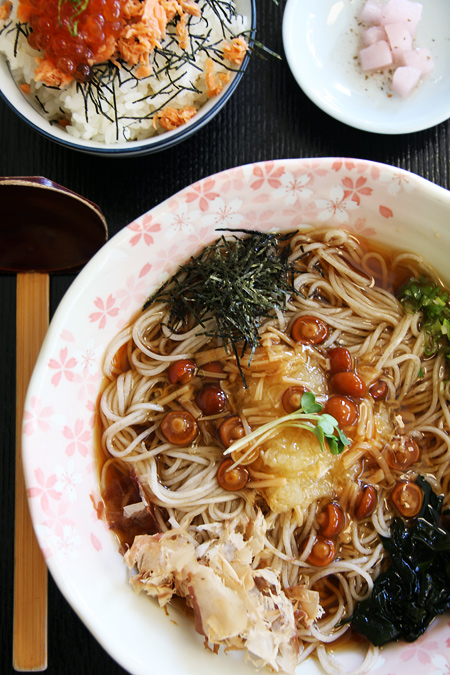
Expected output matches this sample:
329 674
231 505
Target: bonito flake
234 605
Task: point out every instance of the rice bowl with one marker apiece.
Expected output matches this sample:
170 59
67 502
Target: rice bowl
116 112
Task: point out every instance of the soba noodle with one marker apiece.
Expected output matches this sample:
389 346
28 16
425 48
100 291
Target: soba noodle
345 284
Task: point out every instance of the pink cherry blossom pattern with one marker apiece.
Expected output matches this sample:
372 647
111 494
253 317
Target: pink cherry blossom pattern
233 180
421 650
225 214
134 293
385 211
64 367
36 416
200 237
144 229
56 517
67 336
96 543
106 308
89 387
145 270
354 189
67 480
45 490
301 212
91 468
311 168
180 223
296 188
359 227
337 206
397 181
374 172
167 259
92 409
260 219
78 437
87 359
68 541
349 165
203 192
267 172
87 370
173 204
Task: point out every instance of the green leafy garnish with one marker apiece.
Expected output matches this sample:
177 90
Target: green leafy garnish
325 427
426 296
416 587
309 404
78 7
235 281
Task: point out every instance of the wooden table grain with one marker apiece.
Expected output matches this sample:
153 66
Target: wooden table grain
268 117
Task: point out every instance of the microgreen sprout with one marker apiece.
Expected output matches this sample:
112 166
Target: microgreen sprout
325 428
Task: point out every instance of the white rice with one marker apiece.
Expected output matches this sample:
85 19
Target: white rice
136 101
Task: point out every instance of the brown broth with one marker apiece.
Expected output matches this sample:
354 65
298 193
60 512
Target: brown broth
121 490
396 277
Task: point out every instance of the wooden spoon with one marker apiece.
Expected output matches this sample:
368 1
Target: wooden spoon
43 228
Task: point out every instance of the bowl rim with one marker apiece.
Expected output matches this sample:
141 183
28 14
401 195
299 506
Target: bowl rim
76 599
152 144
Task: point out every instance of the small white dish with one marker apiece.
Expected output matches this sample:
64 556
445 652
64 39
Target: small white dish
321 42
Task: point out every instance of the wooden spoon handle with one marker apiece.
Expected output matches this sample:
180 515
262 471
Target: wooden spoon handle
30 570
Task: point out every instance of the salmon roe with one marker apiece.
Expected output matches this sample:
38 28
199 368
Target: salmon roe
75 34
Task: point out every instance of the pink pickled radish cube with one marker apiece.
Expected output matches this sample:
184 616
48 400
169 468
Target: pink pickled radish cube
418 58
373 34
371 12
399 38
402 11
405 80
376 56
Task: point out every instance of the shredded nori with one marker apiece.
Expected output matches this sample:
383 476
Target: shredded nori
237 281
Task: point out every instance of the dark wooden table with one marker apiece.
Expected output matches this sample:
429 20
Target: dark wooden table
268 117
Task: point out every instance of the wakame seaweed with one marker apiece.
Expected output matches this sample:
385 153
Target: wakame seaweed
416 587
237 281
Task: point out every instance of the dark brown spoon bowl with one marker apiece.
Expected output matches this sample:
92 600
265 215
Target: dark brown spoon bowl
44 228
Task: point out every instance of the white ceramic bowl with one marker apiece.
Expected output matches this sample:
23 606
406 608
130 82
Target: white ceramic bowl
321 40
19 103
369 199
